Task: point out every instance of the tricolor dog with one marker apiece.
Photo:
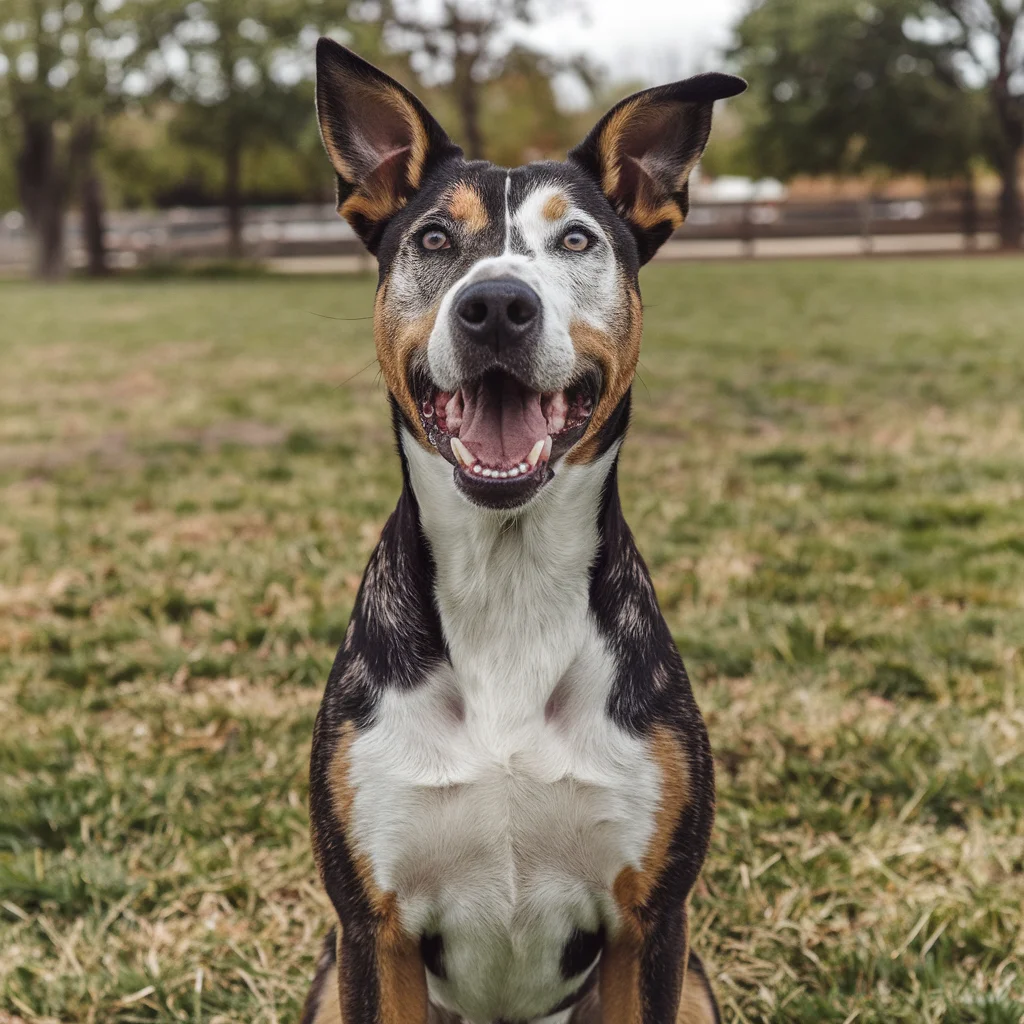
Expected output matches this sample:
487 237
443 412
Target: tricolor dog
511 786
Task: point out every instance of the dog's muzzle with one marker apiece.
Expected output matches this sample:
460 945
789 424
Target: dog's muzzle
496 325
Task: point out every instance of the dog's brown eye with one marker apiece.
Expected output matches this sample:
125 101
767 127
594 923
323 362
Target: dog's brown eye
575 241
435 238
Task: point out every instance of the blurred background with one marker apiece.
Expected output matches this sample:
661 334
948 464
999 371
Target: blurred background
143 133
824 472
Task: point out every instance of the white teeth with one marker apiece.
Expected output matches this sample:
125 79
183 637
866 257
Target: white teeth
547 447
477 468
535 453
462 453
487 472
557 411
523 467
503 475
514 471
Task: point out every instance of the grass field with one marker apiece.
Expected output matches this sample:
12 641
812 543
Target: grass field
826 474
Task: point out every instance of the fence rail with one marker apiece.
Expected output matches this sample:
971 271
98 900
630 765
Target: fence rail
280 232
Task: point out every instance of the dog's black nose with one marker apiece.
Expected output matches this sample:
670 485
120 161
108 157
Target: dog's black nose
498 313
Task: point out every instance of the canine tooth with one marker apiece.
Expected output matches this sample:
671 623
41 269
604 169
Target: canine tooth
535 453
477 468
514 471
462 453
547 447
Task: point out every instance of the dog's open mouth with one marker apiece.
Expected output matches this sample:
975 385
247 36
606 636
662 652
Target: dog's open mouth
503 436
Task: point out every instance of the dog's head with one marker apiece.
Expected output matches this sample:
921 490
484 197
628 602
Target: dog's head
508 316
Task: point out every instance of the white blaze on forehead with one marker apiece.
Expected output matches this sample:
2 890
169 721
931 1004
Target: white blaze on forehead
574 287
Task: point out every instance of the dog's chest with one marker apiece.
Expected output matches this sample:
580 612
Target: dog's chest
500 816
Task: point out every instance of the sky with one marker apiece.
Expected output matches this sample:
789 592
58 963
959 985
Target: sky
649 40
637 37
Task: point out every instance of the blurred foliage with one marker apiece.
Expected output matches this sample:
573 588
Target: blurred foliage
836 86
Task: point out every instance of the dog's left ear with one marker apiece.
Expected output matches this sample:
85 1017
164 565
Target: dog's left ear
642 151
380 139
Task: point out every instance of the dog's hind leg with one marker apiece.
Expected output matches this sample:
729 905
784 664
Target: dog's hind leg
322 1005
697 1004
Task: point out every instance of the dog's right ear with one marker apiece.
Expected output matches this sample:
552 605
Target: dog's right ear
378 136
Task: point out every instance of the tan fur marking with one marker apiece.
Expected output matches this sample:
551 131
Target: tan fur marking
617 357
418 142
633 888
375 202
695 1006
619 979
466 205
556 207
334 153
609 146
401 976
621 998
648 217
397 340
647 210
329 1009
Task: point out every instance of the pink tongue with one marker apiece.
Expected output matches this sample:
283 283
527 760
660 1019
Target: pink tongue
501 421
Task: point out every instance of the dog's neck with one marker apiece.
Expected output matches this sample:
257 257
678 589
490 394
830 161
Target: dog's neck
512 589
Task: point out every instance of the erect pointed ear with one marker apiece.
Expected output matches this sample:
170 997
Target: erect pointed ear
642 151
379 137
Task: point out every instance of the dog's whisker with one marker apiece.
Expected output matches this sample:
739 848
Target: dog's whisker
325 316
363 369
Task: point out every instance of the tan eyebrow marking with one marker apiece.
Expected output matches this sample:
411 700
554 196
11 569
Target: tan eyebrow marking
466 205
556 207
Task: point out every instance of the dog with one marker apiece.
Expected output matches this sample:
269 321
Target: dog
511 785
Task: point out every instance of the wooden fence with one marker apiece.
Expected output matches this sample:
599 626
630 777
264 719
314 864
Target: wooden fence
282 233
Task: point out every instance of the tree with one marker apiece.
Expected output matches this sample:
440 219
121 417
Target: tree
987 36
240 70
837 86
60 78
468 47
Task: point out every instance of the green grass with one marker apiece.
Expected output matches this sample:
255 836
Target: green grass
826 474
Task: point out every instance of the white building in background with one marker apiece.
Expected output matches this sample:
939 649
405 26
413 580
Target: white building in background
731 188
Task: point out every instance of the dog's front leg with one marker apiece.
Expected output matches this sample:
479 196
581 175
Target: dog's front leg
380 976
381 979
366 979
649 976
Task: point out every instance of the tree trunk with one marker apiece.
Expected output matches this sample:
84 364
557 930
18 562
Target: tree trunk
1011 213
467 96
969 212
42 188
233 198
90 197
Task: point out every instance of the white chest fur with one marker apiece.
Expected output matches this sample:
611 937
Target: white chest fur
497 799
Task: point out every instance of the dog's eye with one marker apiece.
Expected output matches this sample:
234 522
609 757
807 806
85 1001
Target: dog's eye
576 240
434 239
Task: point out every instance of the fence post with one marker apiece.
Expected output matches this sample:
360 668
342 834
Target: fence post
969 208
867 241
747 230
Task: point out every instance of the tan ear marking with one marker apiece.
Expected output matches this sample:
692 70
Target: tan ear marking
375 202
466 205
418 141
338 162
610 145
